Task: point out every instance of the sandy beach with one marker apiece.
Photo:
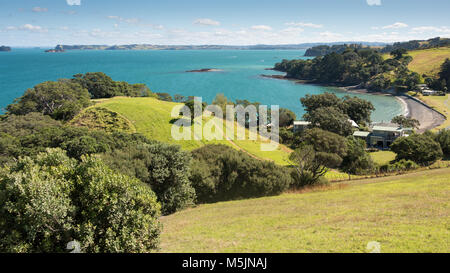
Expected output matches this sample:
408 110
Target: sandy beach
428 117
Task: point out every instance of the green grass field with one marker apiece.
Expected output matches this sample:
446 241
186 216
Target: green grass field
152 118
409 213
428 61
383 157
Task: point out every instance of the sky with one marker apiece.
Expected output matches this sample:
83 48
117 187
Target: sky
223 22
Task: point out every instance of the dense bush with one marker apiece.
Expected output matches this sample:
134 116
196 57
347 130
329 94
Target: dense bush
357 161
101 85
443 137
398 166
61 100
330 119
422 149
353 66
26 124
331 113
33 133
51 200
165 168
324 141
220 173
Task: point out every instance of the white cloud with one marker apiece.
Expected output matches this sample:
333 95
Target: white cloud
73 2
330 35
133 21
395 26
374 2
428 29
39 9
206 22
28 27
301 24
262 27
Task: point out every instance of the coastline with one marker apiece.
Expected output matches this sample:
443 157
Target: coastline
428 118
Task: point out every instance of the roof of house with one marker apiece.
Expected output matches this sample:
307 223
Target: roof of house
301 123
387 128
361 134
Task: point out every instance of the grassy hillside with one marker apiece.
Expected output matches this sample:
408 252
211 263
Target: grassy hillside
428 61
409 213
152 118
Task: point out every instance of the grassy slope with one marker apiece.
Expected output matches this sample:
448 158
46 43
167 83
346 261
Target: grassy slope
409 213
152 118
428 61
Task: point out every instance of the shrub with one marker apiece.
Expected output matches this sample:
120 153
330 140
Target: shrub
163 167
443 137
101 85
422 149
27 124
357 161
305 179
61 100
51 200
402 165
312 165
220 173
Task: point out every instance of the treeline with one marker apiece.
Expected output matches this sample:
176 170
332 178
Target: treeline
417 44
323 50
65 98
365 67
442 81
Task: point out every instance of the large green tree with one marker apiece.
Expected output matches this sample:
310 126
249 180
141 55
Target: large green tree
163 167
406 122
61 100
357 160
51 200
330 119
422 149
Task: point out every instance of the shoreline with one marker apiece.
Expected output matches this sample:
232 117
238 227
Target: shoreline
426 115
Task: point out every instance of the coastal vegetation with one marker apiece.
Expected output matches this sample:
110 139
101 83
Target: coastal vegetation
363 67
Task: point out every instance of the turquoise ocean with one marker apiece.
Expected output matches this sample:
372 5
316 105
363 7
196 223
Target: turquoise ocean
165 71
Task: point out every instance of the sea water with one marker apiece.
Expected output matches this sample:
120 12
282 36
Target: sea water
165 71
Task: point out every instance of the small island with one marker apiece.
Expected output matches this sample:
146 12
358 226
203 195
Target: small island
5 49
57 49
204 70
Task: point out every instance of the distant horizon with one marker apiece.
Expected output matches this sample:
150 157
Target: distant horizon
43 23
225 45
